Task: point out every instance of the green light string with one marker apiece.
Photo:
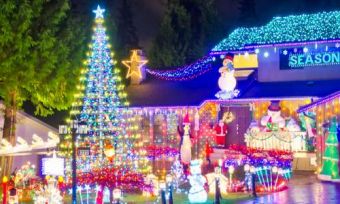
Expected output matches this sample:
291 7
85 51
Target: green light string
276 136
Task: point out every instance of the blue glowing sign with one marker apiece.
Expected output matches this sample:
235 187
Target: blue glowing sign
299 58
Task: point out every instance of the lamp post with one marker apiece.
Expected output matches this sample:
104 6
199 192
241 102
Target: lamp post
231 171
162 187
168 180
247 177
75 129
218 172
253 180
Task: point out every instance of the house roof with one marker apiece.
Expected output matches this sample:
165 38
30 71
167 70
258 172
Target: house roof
31 117
320 102
157 92
291 29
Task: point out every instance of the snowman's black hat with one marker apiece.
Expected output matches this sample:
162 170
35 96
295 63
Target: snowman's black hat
274 106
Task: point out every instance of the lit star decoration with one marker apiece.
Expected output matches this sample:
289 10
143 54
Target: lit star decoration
134 65
99 12
285 52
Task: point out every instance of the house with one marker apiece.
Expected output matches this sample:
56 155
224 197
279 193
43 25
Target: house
294 60
36 139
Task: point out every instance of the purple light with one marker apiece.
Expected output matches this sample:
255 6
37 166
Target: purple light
186 72
319 102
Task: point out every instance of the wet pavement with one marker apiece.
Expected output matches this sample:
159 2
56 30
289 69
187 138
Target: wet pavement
304 188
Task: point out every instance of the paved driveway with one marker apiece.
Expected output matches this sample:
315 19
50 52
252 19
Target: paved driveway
304 188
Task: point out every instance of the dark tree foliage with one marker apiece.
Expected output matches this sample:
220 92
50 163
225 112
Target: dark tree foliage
247 12
41 45
187 32
127 38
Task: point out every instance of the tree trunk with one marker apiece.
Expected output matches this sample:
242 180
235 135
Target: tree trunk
9 134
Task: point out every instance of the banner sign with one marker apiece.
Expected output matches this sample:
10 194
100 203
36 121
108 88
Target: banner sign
299 58
53 166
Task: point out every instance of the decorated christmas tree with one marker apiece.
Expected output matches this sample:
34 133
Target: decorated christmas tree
330 168
109 145
49 194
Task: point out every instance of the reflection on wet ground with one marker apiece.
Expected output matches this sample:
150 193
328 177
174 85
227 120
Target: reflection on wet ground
304 188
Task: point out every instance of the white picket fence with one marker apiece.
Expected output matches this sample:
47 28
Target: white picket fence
281 140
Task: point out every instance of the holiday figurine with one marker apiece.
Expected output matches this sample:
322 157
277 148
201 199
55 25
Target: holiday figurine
185 145
227 80
220 133
273 121
197 193
177 172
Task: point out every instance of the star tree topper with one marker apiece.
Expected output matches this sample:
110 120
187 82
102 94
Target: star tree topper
134 65
99 12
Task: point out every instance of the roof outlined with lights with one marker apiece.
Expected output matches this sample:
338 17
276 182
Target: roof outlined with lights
324 26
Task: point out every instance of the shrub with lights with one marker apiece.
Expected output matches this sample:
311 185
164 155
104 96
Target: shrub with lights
272 168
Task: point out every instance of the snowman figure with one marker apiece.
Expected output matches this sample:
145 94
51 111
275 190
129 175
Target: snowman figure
273 121
227 80
197 193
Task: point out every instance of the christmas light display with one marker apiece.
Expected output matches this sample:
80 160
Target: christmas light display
333 99
324 110
53 166
155 152
273 167
239 155
49 194
295 28
330 168
134 65
111 144
178 175
114 178
25 174
187 72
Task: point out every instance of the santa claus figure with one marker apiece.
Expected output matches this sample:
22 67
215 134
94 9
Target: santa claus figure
185 145
220 133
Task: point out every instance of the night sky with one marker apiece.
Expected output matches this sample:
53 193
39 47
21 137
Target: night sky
148 15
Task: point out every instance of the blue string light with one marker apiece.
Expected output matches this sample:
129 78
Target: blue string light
186 72
295 28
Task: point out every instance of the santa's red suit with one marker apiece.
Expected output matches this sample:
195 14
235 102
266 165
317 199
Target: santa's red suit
221 131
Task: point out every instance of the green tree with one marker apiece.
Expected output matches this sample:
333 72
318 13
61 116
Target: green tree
40 50
187 32
170 45
247 12
205 27
330 166
127 38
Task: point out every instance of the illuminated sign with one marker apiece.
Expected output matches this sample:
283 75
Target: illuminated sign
298 58
52 166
